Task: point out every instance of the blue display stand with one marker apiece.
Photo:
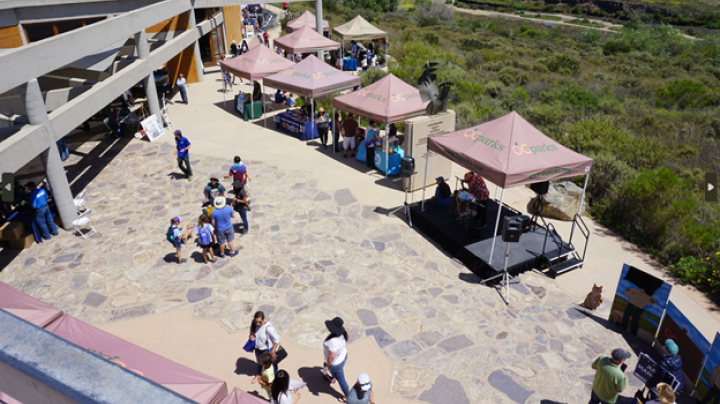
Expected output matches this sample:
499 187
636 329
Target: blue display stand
394 164
349 64
303 130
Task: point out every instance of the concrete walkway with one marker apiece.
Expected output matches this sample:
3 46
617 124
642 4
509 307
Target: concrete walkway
420 325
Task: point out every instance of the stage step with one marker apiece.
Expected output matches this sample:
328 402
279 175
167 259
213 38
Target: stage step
553 258
567 265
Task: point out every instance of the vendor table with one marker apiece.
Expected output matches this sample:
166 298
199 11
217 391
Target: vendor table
394 164
242 108
288 123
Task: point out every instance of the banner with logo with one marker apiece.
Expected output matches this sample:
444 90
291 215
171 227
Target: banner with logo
639 304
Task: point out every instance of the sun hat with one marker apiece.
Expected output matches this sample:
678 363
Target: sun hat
220 202
335 326
177 219
364 382
671 347
620 354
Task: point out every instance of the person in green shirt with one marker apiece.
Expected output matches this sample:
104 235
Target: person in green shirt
610 378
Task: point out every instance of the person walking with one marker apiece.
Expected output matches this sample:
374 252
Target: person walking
181 83
222 222
280 392
336 355
183 157
361 392
267 340
610 377
240 204
41 211
323 123
349 131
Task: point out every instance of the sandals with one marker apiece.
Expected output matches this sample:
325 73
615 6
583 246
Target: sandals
342 399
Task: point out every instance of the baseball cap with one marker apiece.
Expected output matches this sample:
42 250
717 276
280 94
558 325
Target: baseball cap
439 178
206 202
31 184
364 382
177 219
177 132
671 347
620 354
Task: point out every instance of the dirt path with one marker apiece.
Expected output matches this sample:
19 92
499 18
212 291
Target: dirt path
606 25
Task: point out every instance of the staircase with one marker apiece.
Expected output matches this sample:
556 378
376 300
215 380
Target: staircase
560 256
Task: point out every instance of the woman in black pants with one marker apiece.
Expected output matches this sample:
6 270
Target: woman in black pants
322 123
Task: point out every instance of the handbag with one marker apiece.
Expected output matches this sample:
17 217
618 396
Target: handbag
640 397
249 346
280 355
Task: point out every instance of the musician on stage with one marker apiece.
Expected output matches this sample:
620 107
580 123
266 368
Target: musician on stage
476 186
442 193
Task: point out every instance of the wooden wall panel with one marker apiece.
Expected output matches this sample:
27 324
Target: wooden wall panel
183 63
177 23
10 37
233 24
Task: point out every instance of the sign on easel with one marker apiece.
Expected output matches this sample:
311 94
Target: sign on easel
153 129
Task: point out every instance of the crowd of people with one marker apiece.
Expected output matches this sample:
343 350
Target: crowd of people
214 231
264 342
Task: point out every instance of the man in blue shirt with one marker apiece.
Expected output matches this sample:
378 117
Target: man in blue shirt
442 193
183 157
41 211
221 218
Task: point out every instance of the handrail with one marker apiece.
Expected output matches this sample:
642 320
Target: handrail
579 220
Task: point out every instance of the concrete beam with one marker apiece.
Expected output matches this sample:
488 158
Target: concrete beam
42 57
20 148
41 368
8 18
78 9
54 99
227 3
210 24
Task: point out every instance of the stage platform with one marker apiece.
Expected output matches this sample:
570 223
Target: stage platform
472 248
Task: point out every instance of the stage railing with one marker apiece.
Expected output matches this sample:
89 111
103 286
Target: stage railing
585 232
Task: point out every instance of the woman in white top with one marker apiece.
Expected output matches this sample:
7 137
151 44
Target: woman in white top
666 395
336 354
265 337
280 390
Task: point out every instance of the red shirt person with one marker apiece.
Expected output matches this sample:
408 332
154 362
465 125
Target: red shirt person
476 186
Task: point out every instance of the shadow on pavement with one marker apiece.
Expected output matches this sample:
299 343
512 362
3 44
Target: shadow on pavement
244 366
316 384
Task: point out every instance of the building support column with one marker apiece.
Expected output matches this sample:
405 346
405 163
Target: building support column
196 47
143 51
319 25
54 170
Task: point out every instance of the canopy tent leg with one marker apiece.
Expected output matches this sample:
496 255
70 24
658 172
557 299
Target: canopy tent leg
335 128
427 156
386 145
580 205
497 223
262 107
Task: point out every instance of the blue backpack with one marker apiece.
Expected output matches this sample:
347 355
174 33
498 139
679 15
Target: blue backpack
204 236
170 235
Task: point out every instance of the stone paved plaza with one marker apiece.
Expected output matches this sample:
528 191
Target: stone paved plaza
312 255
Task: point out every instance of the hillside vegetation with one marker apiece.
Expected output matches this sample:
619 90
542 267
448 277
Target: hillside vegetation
643 103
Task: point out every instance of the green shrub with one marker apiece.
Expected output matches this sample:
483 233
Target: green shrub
578 97
606 175
372 75
683 94
494 89
595 135
510 76
591 36
431 38
562 64
546 114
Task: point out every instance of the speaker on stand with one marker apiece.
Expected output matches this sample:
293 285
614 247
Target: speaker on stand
540 188
511 231
407 170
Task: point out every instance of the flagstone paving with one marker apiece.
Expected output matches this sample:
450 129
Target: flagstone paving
310 256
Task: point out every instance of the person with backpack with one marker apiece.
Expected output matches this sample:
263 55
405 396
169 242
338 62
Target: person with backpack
204 232
177 237
240 204
238 172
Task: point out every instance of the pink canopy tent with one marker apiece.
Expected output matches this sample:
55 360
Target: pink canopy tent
238 396
257 63
305 40
313 78
509 151
26 307
388 100
174 376
306 18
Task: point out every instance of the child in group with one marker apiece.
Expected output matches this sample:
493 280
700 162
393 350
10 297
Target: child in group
267 375
177 236
205 232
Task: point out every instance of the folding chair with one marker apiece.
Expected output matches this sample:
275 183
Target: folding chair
80 200
83 220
